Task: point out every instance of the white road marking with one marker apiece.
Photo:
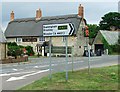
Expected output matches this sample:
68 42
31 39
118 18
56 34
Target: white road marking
40 66
75 62
6 74
36 66
24 76
94 59
14 69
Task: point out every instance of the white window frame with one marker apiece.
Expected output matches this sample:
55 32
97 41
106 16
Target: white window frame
41 39
19 39
63 38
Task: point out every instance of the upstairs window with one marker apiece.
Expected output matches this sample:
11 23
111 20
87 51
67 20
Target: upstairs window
18 39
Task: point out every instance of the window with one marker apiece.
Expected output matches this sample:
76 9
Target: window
18 39
29 39
42 39
64 38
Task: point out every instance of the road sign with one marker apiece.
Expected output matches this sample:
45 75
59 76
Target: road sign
58 29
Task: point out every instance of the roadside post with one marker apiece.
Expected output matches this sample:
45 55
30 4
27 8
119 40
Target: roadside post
50 66
54 30
88 59
72 55
66 44
87 43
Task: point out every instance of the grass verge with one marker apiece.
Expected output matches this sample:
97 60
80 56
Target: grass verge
105 78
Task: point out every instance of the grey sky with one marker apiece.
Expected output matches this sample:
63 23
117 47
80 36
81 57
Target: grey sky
93 10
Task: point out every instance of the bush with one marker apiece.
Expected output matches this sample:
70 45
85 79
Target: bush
111 48
12 44
30 51
15 50
115 48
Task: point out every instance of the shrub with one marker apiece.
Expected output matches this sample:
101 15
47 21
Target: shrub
111 48
14 51
30 51
17 50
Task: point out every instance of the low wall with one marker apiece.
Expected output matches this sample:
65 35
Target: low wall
10 60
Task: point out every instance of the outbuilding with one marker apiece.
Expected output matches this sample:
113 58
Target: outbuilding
110 36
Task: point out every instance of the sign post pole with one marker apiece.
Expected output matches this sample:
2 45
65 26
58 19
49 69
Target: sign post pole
50 59
65 29
72 59
88 59
66 43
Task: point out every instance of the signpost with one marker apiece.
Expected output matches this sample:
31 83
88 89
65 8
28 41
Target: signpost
88 59
58 29
65 29
50 58
66 44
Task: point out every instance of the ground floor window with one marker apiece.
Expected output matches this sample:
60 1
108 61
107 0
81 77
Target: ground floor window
64 39
42 39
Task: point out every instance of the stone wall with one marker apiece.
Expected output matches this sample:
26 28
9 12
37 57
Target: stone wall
2 51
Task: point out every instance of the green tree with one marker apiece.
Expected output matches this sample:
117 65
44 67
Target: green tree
93 30
111 19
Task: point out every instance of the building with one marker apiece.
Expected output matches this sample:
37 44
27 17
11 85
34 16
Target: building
2 46
29 31
110 36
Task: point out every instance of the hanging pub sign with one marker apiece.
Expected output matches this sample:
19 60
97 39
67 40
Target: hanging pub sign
86 32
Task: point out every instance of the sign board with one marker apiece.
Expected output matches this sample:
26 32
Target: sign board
58 29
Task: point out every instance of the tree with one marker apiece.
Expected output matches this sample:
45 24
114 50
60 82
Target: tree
110 20
93 30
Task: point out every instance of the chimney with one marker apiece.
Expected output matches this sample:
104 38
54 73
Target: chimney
81 11
38 14
12 16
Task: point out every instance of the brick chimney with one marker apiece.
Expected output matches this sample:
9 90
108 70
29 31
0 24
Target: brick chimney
12 16
81 11
38 14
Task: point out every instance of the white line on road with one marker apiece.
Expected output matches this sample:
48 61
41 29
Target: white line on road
23 77
14 69
40 66
6 74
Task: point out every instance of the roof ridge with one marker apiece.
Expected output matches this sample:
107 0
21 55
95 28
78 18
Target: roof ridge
44 18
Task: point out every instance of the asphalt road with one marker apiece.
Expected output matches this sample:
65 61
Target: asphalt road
15 76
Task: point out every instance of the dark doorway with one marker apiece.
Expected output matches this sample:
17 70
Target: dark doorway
45 44
99 47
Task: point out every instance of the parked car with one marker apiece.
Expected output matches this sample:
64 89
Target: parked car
98 53
86 53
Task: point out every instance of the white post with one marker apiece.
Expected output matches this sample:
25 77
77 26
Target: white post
42 51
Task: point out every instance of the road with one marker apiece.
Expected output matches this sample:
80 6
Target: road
15 76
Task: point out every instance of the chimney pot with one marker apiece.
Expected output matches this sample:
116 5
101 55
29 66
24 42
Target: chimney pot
12 16
81 11
38 14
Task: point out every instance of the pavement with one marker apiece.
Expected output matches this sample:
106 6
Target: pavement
15 76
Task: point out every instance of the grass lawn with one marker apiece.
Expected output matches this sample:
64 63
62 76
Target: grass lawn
105 78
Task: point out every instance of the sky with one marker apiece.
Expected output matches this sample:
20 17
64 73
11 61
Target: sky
93 11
